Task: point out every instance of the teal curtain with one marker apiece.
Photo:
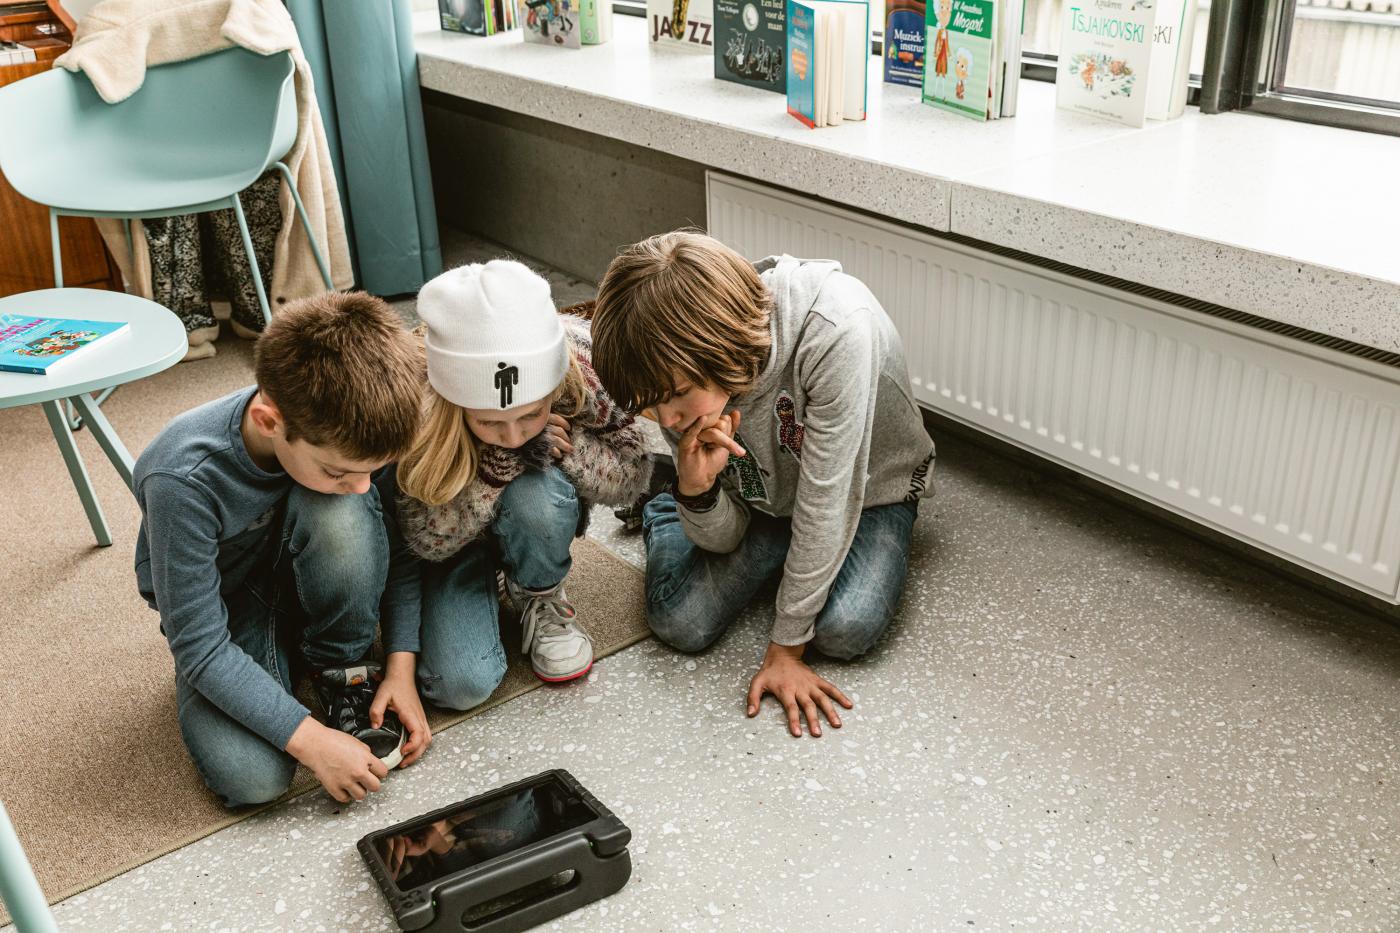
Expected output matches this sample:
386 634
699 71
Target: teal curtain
361 54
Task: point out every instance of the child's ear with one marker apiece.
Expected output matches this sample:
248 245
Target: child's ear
265 415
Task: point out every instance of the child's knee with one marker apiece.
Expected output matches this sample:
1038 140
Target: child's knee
242 774
463 686
846 635
688 632
540 503
345 530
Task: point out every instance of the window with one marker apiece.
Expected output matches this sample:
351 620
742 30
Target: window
1324 61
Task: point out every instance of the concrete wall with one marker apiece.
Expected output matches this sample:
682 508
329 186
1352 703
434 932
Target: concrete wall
560 195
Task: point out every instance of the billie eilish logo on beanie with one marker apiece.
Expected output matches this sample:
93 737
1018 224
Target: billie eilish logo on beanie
506 378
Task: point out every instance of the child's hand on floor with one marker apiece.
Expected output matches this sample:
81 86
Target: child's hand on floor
798 688
344 765
703 452
400 693
557 432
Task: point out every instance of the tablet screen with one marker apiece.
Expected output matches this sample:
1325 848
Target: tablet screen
494 827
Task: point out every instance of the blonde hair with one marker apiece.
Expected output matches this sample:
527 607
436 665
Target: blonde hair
680 306
443 458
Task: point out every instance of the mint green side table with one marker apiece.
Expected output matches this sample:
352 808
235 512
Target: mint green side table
155 340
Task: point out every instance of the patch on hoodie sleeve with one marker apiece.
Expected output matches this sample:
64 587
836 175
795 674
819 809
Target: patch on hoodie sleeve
747 474
790 431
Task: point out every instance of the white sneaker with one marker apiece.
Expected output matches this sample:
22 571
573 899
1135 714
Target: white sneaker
558 647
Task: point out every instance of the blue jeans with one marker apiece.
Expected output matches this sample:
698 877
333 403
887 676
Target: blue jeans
311 601
462 659
694 595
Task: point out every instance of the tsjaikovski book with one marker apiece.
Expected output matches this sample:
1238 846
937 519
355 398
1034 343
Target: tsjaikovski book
828 48
1105 58
750 37
38 344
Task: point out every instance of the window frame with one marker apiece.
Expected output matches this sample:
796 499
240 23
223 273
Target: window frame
1246 67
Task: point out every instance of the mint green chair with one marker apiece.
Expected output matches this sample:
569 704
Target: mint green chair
196 134
18 889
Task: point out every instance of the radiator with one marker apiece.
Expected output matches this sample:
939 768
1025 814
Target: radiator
1287 446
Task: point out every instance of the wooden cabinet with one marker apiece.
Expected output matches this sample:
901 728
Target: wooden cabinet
26 256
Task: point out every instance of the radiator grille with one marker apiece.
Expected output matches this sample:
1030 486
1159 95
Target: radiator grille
1291 447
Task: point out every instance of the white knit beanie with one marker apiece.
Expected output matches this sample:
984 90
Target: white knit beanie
494 339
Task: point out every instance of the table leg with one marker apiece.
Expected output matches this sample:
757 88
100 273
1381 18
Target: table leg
59 425
106 437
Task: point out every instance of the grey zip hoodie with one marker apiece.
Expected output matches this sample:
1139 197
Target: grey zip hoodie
830 428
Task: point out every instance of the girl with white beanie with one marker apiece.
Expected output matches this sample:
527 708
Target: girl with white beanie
518 437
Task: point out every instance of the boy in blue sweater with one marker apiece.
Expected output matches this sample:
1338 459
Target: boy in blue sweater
267 549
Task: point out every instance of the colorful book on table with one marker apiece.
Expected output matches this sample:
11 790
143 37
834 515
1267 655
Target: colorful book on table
38 344
828 44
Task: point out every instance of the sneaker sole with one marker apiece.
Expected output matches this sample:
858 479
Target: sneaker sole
391 760
566 678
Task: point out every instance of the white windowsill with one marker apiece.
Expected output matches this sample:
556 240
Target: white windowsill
1292 222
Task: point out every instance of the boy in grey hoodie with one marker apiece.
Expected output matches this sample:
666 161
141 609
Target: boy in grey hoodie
783 392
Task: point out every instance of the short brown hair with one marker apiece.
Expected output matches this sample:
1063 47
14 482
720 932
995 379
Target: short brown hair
684 306
345 374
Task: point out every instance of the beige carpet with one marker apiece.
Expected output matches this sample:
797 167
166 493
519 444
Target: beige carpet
95 776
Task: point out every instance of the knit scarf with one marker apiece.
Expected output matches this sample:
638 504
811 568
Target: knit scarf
607 465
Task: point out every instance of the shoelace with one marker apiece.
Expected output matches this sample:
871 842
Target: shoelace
353 700
561 610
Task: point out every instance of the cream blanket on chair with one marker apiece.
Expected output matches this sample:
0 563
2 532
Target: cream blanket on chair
115 43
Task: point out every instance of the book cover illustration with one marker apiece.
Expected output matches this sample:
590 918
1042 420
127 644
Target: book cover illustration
963 40
35 344
749 43
553 22
904 43
1105 56
682 24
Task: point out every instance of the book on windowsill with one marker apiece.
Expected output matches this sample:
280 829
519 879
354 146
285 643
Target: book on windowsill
681 24
972 65
551 22
1106 58
477 17
750 36
37 344
828 50
1171 58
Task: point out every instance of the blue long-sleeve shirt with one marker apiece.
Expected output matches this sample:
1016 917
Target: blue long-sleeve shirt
208 513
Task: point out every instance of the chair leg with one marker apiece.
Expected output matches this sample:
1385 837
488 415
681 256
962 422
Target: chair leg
106 437
57 253
252 259
77 471
18 887
306 225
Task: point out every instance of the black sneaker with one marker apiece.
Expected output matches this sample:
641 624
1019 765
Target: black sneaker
347 694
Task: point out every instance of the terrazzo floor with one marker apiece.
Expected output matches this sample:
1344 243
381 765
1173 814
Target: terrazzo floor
1080 720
